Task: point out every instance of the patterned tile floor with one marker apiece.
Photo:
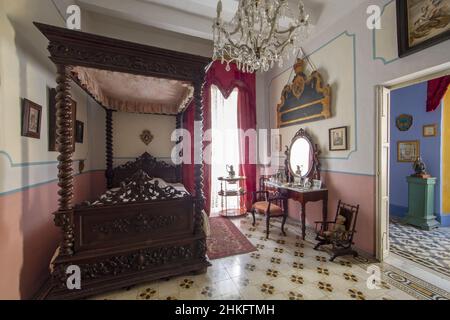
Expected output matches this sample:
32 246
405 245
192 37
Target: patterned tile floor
430 249
283 268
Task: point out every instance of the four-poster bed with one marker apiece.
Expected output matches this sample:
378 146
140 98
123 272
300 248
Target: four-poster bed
143 228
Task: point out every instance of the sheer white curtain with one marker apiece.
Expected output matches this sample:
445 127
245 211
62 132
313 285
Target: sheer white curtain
225 143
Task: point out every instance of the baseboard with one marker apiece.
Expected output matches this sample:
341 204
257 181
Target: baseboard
397 211
312 229
444 219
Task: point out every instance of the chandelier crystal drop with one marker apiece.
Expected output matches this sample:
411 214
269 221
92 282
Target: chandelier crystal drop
262 33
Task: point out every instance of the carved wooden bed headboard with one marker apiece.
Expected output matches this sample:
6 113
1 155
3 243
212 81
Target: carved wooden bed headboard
151 166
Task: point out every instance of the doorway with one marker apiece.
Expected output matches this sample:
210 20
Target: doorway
388 154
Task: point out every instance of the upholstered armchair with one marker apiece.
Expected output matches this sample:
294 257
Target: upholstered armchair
272 205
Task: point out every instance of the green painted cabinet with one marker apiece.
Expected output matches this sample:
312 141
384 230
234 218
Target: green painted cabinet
421 203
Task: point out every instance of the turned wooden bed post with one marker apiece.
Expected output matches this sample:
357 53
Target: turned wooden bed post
198 149
109 149
179 125
64 125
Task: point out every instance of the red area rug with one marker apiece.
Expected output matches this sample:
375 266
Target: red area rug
226 240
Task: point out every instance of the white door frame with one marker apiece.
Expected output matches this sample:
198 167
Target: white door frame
383 149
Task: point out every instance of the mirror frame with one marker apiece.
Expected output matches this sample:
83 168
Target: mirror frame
314 169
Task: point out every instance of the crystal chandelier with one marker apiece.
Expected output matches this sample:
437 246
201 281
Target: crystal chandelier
255 38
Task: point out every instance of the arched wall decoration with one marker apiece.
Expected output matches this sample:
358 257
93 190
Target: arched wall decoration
306 99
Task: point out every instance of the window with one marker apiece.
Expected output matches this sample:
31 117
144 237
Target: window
225 144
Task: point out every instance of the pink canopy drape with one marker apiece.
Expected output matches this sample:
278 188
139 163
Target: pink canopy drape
436 91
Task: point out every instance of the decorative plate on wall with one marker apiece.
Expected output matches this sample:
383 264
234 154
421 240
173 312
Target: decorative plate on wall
147 137
404 122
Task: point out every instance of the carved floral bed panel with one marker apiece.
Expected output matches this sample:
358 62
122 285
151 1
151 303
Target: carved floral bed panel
139 188
148 222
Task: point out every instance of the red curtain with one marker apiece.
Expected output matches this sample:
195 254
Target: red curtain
247 121
226 81
436 91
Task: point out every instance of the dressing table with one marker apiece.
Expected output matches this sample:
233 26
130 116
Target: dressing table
303 154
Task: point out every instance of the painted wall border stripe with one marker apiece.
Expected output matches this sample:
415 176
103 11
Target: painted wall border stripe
40 184
374 40
349 173
30 164
352 35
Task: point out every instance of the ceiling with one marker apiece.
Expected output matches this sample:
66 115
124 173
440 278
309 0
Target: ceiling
194 17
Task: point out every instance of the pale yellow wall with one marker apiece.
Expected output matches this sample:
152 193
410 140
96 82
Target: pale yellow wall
446 154
129 126
26 72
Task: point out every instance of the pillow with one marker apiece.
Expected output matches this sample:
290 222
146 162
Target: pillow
161 182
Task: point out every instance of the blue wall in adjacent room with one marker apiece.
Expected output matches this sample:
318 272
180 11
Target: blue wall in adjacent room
412 100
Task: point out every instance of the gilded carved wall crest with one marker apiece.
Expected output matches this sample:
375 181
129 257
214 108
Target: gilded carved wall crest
147 137
307 98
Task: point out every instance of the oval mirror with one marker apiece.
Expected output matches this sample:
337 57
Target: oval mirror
301 159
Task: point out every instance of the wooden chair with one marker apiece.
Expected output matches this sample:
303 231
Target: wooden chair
272 205
342 244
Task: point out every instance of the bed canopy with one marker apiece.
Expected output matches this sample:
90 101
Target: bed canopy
128 77
124 92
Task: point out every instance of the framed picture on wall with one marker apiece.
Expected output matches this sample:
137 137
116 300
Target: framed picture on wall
338 139
430 130
52 144
79 132
408 151
277 142
31 119
422 24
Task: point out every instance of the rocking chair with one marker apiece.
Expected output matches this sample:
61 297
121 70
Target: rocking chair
341 241
272 205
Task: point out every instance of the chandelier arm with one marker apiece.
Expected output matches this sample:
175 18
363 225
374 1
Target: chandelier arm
287 41
232 44
284 45
261 27
223 30
273 26
236 30
291 29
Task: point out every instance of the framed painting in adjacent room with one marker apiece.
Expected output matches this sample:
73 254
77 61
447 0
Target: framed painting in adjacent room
408 151
52 145
430 130
422 24
31 119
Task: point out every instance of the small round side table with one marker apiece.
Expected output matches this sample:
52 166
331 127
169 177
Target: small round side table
227 192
